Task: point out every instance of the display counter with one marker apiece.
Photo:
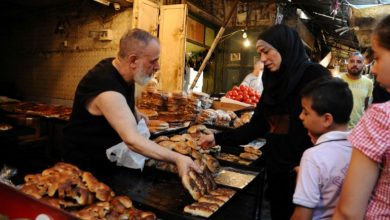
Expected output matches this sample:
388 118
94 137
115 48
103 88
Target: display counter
162 192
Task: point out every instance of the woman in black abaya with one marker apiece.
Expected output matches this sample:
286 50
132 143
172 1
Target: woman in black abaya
287 70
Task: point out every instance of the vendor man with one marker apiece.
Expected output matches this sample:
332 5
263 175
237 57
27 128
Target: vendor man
104 113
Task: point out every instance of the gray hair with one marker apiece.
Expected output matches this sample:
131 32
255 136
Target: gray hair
134 41
356 53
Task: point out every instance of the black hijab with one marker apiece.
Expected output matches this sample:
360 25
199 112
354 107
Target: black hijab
279 85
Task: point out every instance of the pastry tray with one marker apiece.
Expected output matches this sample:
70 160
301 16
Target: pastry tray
235 178
252 166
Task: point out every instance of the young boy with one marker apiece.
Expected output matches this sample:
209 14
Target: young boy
326 107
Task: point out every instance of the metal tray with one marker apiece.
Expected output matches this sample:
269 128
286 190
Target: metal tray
235 178
155 190
253 166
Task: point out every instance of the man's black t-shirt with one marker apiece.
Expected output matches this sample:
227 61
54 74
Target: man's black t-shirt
86 137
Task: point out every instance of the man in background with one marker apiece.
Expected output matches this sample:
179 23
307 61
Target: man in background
253 79
360 85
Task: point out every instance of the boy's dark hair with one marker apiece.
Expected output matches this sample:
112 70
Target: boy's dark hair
330 95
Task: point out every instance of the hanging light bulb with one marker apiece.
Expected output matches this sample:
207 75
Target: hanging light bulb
247 43
244 35
104 2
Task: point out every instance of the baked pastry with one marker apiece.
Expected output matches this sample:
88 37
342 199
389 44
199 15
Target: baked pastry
212 199
150 113
196 128
95 211
238 123
193 144
246 117
223 192
187 137
103 192
120 204
231 114
201 164
65 186
202 209
244 162
148 216
195 154
177 138
249 156
168 144
199 181
211 184
33 190
183 148
157 125
161 138
211 163
252 150
191 186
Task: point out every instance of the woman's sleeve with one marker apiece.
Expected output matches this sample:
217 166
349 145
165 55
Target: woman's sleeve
372 134
257 127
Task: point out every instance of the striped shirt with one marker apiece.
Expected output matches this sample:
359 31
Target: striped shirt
372 137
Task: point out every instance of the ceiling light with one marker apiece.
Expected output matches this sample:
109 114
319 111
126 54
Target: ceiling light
247 43
104 2
117 6
244 35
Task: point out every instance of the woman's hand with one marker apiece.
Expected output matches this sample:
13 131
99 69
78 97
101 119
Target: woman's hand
207 141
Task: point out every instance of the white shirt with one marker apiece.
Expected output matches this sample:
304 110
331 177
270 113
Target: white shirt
254 82
322 172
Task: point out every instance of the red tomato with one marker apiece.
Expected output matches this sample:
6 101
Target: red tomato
234 93
239 98
236 88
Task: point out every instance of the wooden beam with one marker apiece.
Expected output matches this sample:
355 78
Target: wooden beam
214 44
204 14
